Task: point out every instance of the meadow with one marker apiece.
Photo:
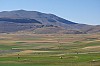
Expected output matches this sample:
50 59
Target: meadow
49 49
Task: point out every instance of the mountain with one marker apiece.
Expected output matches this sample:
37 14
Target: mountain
42 17
21 20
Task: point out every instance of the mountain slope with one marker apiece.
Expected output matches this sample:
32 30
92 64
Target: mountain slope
17 20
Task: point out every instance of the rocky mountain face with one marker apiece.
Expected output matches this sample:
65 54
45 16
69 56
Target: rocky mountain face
19 20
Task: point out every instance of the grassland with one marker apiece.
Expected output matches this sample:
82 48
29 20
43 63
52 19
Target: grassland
49 49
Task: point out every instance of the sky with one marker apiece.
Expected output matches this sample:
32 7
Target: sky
79 11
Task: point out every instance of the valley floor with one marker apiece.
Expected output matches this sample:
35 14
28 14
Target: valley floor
49 49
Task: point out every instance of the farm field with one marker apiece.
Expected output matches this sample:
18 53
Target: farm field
49 49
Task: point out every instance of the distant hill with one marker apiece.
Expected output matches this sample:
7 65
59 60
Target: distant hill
19 20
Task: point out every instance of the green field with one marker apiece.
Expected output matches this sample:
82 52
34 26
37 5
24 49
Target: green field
49 49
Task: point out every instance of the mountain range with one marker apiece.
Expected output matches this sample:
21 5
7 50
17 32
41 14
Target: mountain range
41 23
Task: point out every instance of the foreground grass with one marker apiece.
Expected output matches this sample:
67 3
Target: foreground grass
52 60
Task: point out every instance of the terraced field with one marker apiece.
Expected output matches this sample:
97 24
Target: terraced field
49 49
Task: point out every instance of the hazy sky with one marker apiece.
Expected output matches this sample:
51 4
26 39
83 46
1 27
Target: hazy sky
80 11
